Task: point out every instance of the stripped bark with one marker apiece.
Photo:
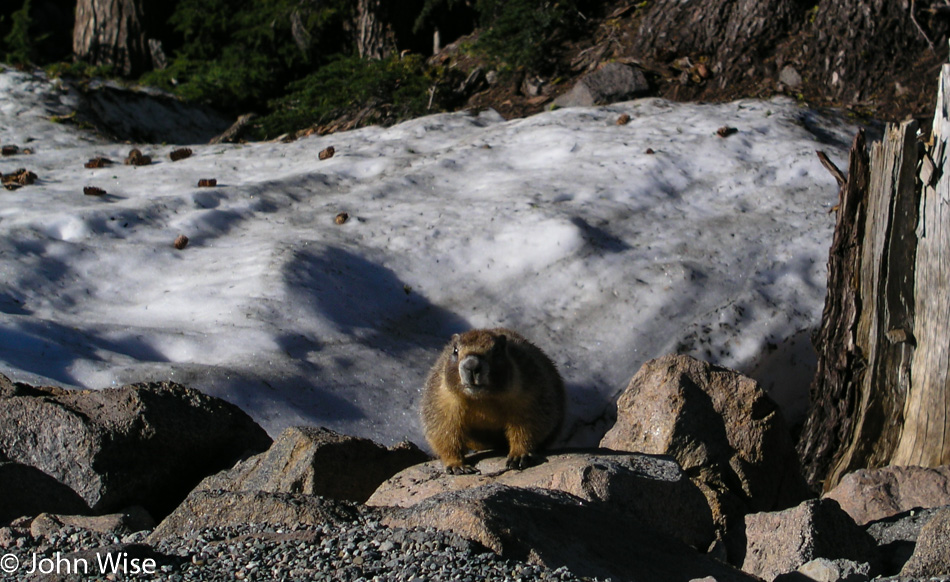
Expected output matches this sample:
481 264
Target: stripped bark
881 393
839 369
925 439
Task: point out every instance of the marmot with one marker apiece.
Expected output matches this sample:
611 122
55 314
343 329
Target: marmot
491 388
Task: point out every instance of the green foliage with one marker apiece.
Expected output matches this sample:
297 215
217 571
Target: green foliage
19 44
390 90
240 53
291 60
523 33
79 69
517 34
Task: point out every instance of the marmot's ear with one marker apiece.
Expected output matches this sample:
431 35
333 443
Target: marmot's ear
455 337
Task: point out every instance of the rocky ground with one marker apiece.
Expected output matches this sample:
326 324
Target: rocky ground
696 481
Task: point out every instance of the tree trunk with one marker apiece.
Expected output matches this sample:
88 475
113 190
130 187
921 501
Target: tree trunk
852 44
109 32
881 393
374 35
732 34
832 51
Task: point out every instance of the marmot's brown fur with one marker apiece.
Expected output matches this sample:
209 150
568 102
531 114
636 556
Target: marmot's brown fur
491 388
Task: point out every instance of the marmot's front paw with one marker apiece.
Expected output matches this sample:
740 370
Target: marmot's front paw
521 462
461 470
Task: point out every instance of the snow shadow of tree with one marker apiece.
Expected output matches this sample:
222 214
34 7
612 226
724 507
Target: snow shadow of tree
368 302
50 349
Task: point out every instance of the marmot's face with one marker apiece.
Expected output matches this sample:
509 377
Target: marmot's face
479 359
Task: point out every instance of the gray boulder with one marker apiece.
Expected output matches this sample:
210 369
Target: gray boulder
318 461
726 433
790 77
610 83
142 444
781 542
129 521
896 537
932 555
554 529
647 489
205 509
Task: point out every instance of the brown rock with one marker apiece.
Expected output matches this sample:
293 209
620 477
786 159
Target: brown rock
650 490
702 71
93 191
825 570
327 153
896 537
721 427
931 557
872 494
142 444
181 241
9 535
318 461
129 521
779 542
202 509
341 218
554 529
207 182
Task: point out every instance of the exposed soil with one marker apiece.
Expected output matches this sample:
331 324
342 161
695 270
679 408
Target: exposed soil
888 70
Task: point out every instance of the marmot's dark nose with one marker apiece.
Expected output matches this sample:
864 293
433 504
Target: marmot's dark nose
474 371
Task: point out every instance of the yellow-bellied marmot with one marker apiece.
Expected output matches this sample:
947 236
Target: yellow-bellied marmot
491 388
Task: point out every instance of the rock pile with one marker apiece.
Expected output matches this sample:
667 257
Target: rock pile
697 481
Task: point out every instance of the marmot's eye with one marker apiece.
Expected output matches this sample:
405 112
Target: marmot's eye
455 353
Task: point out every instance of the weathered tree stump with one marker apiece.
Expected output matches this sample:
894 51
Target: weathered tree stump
881 393
925 439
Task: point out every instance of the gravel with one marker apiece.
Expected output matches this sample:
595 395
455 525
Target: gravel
361 551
